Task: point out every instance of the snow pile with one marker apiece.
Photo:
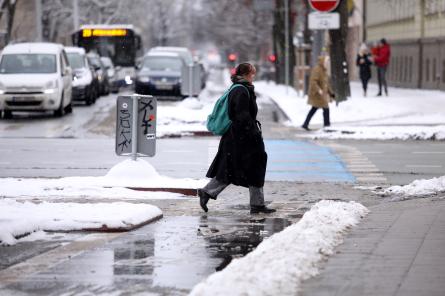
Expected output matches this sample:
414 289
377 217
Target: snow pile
280 263
191 103
128 173
22 218
381 133
421 187
189 115
405 114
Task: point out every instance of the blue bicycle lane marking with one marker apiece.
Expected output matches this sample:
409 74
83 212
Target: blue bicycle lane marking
293 160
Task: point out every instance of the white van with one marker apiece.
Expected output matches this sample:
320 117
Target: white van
35 77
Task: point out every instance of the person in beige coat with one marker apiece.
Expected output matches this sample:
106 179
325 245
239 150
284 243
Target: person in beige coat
320 93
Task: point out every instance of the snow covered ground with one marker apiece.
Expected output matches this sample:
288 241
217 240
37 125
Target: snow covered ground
20 218
279 264
189 115
417 188
405 114
125 174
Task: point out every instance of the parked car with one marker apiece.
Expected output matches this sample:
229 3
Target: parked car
35 77
160 75
187 56
111 73
85 83
102 75
183 52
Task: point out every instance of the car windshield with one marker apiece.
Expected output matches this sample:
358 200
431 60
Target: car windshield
95 61
28 63
107 62
76 60
162 63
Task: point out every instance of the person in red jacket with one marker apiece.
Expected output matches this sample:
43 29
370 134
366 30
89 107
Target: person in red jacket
381 60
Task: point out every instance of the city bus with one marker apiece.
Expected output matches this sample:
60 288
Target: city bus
121 43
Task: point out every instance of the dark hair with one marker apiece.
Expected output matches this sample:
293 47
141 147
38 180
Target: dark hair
383 41
244 69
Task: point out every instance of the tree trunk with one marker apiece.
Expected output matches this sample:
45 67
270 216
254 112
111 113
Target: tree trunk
10 12
339 64
279 43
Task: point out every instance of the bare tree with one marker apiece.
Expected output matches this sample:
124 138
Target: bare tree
7 12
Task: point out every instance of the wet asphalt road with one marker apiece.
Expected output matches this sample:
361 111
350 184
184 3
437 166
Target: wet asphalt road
172 255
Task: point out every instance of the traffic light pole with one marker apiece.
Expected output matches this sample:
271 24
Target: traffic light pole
286 47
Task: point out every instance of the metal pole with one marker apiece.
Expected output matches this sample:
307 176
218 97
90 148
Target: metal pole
134 129
191 80
76 14
39 20
286 47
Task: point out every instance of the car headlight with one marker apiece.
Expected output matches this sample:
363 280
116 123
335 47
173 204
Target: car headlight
144 79
51 86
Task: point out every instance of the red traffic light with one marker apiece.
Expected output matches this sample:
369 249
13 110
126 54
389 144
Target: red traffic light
272 58
232 57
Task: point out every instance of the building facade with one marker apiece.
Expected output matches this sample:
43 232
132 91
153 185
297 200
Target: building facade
416 31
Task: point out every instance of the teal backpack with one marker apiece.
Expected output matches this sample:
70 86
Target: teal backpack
218 122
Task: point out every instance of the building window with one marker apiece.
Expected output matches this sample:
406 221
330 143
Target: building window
427 70
443 71
401 69
405 74
396 66
433 78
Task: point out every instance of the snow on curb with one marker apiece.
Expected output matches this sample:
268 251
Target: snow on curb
280 263
128 173
381 133
423 187
19 218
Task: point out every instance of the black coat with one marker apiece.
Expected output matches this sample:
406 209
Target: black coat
241 159
365 67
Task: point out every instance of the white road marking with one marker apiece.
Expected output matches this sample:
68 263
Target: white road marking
372 152
428 152
423 166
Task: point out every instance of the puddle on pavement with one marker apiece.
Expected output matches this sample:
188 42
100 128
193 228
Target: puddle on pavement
169 256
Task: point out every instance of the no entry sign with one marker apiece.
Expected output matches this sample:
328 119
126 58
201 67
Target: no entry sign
324 5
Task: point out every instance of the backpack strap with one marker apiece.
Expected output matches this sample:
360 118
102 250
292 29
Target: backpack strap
238 84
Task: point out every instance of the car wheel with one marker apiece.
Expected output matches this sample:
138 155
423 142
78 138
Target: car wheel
90 99
60 111
69 108
7 114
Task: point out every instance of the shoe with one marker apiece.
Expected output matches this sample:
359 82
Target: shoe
204 199
261 209
378 95
306 128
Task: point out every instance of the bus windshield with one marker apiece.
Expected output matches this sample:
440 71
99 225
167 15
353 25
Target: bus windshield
119 44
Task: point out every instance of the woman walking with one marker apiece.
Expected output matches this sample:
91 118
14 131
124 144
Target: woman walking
241 158
320 93
364 63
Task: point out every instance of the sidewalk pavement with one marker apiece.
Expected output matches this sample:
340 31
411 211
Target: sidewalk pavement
399 249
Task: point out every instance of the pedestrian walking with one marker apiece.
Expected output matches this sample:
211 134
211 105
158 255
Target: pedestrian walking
320 93
241 158
364 63
381 60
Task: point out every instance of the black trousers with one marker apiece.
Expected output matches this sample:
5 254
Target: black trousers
311 113
381 75
365 83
